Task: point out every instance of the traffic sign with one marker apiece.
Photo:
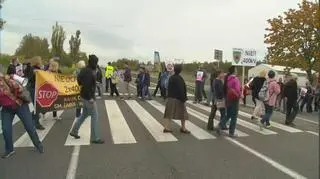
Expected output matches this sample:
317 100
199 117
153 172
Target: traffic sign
218 54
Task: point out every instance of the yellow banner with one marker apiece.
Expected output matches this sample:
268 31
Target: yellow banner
56 91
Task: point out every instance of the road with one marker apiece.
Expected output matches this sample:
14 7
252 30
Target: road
136 147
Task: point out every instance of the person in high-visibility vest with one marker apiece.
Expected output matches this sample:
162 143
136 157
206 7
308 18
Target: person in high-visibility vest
109 74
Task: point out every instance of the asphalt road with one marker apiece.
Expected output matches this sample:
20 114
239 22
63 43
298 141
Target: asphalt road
136 147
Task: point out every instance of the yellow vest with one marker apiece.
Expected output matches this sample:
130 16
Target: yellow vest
109 71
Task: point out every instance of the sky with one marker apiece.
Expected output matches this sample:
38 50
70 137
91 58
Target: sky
178 29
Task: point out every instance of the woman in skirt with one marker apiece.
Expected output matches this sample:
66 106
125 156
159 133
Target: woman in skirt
177 96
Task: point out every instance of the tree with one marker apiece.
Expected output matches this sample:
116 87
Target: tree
74 43
33 46
294 39
57 39
2 22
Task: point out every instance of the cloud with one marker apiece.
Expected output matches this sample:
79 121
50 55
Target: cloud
184 29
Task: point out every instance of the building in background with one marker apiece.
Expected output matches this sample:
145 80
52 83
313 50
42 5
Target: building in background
280 72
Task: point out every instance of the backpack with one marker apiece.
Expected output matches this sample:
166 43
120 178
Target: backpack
264 92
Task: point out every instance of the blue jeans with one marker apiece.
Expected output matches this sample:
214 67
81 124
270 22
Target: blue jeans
23 112
232 113
268 113
89 109
35 116
78 112
145 92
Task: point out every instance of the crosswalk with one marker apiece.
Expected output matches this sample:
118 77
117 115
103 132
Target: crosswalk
121 131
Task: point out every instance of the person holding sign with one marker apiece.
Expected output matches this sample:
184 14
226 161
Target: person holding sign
54 68
199 85
87 80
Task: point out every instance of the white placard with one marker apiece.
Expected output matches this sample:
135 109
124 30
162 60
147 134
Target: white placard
244 57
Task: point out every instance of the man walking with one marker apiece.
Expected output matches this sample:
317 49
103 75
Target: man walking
87 80
109 74
200 77
127 79
291 93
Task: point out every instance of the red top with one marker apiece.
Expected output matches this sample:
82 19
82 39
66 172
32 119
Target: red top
9 92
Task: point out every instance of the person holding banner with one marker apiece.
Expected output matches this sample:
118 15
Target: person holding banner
87 80
54 68
36 65
13 104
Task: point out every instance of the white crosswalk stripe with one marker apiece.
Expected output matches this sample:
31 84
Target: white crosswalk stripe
241 122
196 131
152 125
120 131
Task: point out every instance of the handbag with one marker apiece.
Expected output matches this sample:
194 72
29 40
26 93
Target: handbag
25 95
220 103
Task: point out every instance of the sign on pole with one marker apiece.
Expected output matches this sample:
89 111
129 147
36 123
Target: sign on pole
244 57
156 57
218 55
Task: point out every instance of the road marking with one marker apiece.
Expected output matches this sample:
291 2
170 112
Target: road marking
275 124
241 122
196 131
72 170
25 141
313 122
84 133
273 163
152 125
204 118
314 133
188 94
120 131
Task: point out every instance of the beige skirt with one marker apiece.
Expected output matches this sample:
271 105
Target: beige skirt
176 110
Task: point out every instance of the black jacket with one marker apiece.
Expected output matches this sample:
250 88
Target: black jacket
256 85
177 88
99 75
218 89
291 90
87 79
32 77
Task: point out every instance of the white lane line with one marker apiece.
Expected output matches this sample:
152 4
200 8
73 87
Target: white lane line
188 94
196 131
84 134
204 118
241 122
120 131
25 141
275 124
307 120
152 125
72 170
314 133
273 163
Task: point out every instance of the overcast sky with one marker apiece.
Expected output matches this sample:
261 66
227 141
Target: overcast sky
183 29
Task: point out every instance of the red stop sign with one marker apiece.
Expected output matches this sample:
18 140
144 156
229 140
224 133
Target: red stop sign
47 94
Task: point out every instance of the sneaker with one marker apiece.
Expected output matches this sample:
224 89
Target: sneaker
8 154
233 135
98 97
268 126
40 127
99 141
40 149
76 136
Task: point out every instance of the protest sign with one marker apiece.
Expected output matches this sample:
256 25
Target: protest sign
56 92
244 57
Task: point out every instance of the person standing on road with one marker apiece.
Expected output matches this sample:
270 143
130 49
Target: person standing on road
218 99
306 98
109 73
12 105
200 76
272 91
232 90
158 86
290 91
36 65
210 94
280 96
164 80
99 82
54 68
87 80
175 106
245 91
145 86
114 81
127 78
256 86
80 65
